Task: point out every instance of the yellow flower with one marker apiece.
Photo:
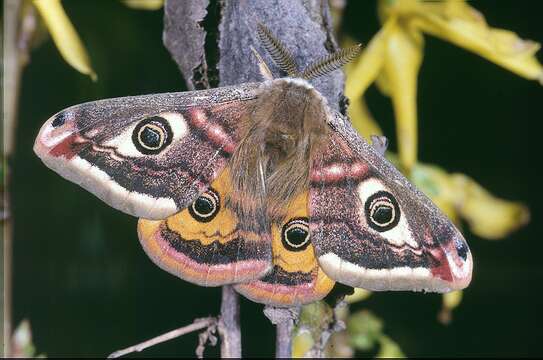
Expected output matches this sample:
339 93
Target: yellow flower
392 58
144 4
65 36
487 216
450 302
460 197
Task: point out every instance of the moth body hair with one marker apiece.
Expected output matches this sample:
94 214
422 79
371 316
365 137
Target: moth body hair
287 122
299 82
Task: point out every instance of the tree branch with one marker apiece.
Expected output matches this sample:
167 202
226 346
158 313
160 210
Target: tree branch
283 319
283 339
229 327
19 25
198 324
186 36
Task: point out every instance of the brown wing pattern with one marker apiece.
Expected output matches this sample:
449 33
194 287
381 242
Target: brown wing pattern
371 232
148 156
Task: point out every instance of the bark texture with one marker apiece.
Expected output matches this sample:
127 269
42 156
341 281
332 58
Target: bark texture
195 29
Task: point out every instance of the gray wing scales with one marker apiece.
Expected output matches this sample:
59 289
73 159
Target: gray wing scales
149 156
372 229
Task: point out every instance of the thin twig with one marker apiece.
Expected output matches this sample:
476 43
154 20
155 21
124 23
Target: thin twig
19 26
283 319
204 338
11 85
198 324
283 340
229 328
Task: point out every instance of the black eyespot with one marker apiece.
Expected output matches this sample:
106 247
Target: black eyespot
383 214
295 234
59 120
152 135
206 207
461 248
382 211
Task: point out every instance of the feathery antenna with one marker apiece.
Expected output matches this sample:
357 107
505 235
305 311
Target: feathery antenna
330 63
277 50
283 58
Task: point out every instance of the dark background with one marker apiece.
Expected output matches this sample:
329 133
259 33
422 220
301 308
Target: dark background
87 287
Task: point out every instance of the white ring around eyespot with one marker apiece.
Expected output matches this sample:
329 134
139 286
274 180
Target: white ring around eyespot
382 201
214 200
124 145
401 233
153 127
298 225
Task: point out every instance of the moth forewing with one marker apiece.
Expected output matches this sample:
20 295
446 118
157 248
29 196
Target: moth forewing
149 156
372 228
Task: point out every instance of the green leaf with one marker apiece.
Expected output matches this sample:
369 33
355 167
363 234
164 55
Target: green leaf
314 318
22 344
365 329
389 348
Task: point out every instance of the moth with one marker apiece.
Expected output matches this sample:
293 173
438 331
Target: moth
261 185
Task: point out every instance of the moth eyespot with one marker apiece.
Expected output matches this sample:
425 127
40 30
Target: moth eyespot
206 207
461 248
295 234
382 211
59 120
152 135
